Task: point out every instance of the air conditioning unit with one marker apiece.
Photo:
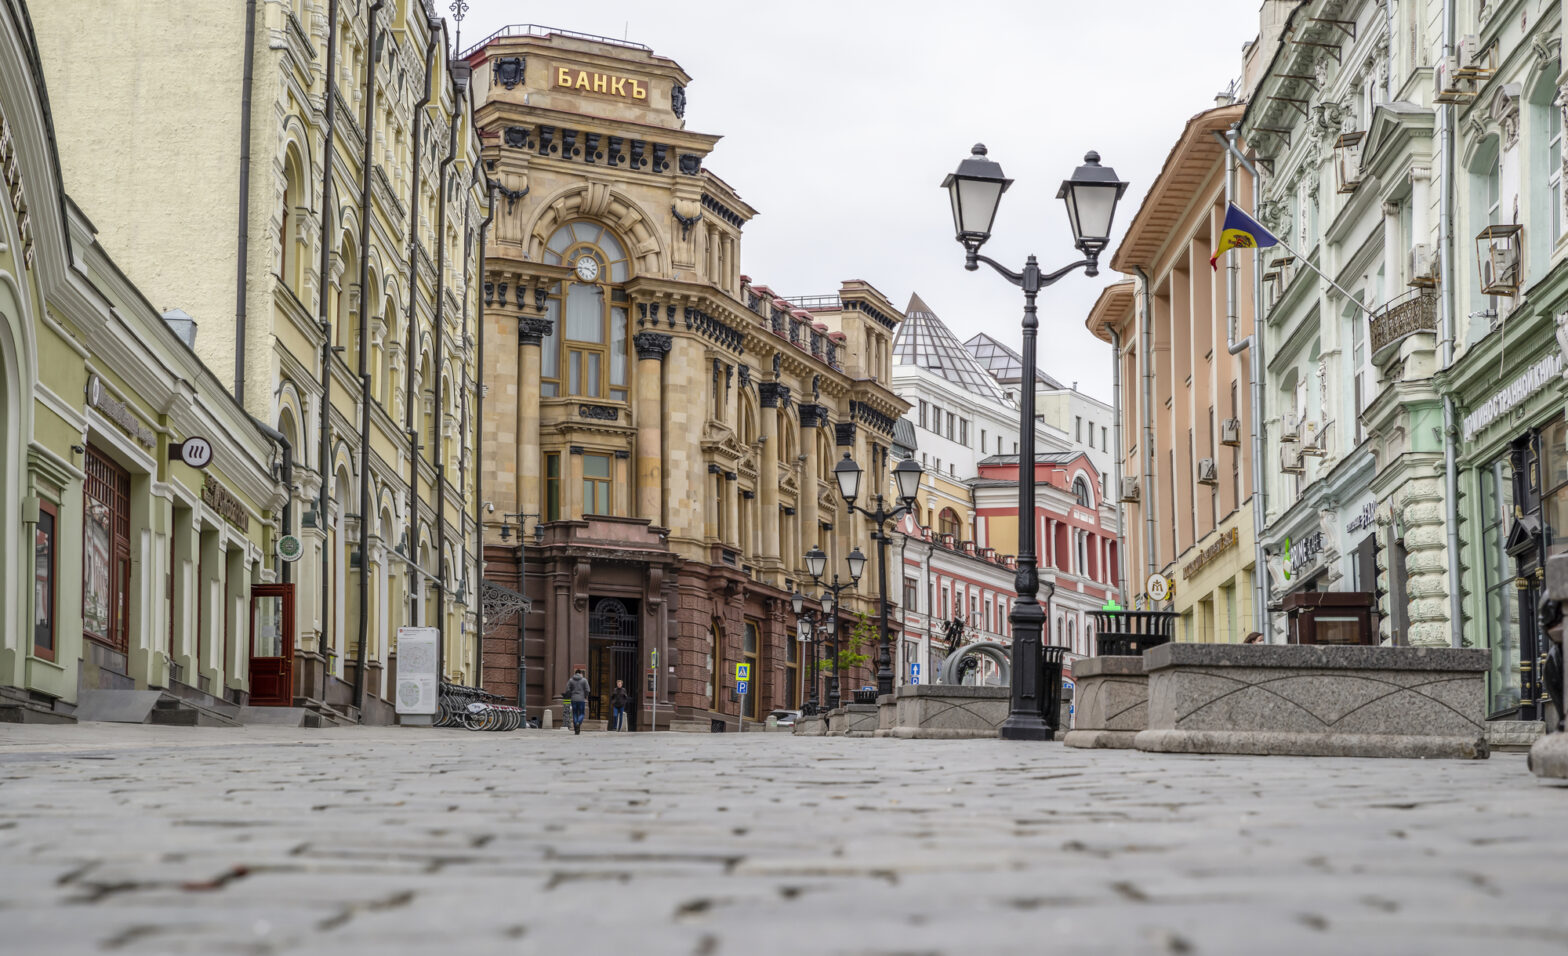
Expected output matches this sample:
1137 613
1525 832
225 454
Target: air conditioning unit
1207 473
1450 85
1130 488
1423 266
1312 439
1474 59
1230 431
1290 428
1290 460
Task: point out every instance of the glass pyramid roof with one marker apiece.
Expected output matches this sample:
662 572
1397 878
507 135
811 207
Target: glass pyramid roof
924 342
1005 364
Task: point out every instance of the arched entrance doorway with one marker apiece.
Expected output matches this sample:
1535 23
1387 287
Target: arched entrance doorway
612 654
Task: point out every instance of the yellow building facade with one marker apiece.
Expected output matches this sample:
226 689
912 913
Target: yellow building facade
315 204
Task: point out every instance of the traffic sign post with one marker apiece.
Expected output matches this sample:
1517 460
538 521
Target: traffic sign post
653 686
914 672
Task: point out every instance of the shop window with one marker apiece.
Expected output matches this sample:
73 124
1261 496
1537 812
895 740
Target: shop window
552 486
597 484
106 552
1554 485
749 653
718 671
791 672
1497 512
45 566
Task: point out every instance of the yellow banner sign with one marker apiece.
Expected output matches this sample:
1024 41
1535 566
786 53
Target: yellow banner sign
567 78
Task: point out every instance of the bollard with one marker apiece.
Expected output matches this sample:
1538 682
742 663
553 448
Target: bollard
545 719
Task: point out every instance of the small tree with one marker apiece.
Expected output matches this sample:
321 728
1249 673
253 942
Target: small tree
851 654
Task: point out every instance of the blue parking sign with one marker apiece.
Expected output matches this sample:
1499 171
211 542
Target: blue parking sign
740 687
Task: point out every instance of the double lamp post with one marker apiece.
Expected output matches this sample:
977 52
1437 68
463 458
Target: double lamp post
1091 195
816 564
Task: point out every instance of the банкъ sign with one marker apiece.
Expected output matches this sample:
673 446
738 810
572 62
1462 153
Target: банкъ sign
567 78
1514 393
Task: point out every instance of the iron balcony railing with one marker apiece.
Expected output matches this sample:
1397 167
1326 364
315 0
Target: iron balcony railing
1413 312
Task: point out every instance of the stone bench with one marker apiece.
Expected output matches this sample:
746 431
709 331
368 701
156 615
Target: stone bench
948 711
1305 700
1112 702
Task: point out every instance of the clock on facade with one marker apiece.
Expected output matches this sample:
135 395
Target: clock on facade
587 268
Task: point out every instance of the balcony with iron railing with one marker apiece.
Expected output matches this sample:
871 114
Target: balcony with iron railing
1413 313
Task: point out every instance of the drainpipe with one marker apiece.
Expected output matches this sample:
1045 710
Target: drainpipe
479 418
1146 333
451 154
413 325
1446 323
1121 519
282 442
242 250
364 362
324 425
1254 344
462 464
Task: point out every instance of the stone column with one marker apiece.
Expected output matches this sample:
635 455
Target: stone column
531 331
652 347
1394 264
773 396
731 510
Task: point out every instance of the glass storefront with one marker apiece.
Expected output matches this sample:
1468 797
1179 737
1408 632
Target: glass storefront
1497 507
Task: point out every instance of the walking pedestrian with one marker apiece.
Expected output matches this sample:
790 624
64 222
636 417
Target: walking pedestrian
619 701
577 689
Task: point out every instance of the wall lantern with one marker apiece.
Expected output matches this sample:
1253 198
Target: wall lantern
1497 254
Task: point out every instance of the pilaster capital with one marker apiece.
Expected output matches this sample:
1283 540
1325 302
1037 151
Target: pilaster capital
812 415
773 394
653 346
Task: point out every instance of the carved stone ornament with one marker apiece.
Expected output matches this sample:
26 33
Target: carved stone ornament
508 70
531 329
1562 339
515 136
691 164
601 413
653 345
678 100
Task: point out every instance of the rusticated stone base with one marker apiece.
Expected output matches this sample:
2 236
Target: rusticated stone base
1112 702
1316 701
1549 756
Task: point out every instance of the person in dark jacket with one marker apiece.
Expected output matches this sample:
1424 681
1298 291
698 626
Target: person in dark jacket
577 690
619 701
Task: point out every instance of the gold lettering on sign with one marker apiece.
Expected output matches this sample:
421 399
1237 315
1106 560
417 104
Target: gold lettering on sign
221 500
623 86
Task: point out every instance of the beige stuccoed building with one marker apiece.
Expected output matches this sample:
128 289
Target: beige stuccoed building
340 305
670 426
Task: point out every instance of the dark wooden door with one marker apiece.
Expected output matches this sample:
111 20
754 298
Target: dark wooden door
272 645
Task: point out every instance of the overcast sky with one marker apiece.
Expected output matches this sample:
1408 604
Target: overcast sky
840 118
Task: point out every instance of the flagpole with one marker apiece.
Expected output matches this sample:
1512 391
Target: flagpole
1308 263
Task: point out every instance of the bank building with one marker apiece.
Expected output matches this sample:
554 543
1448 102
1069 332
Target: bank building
659 431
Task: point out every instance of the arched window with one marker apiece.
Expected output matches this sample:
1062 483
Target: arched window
1081 492
587 352
947 523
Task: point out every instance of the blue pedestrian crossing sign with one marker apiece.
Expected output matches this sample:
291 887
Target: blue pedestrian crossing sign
742 672
741 687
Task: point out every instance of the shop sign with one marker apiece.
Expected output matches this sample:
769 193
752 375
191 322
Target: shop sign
567 78
290 549
101 397
1226 540
1301 555
1363 519
11 165
1157 587
221 500
196 452
1512 395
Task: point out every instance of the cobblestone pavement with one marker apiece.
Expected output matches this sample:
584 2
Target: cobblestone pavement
136 839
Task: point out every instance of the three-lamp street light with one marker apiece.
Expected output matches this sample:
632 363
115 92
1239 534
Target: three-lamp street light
1091 195
906 477
816 566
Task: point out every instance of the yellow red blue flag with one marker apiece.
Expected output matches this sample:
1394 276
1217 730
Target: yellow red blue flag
1240 231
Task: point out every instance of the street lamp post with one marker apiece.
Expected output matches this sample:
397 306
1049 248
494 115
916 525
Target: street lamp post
817 564
1091 195
809 619
522 588
906 475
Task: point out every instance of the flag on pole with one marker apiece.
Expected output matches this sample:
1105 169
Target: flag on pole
1240 231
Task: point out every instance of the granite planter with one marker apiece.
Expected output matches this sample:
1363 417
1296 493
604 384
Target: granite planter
948 711
1327 701
811 726
853 720
1112 702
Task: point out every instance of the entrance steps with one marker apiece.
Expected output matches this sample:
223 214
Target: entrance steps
312 715
17 706
166 707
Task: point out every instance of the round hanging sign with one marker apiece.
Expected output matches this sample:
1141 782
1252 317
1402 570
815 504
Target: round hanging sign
290 549
196 452
1158 588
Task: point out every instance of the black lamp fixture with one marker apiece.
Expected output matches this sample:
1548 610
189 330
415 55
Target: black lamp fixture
817 565
1091 196
522 519
906 477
